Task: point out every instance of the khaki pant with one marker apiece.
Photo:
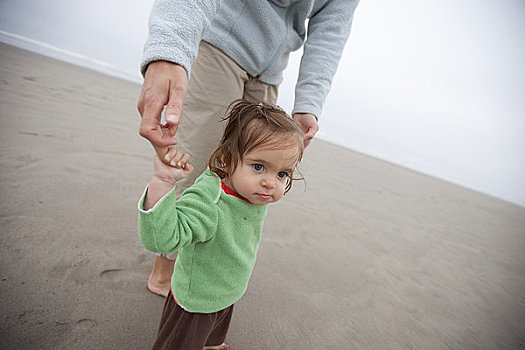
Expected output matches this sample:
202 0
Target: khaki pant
216 80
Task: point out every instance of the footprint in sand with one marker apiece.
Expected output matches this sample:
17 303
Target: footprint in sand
131 280
77 329
84 326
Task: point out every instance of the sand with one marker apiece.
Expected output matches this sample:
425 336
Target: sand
365 255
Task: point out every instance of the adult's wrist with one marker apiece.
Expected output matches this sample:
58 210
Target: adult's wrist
305 114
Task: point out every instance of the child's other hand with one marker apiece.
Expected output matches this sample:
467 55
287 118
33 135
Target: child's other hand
179 169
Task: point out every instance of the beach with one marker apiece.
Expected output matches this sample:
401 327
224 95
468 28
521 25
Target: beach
363 255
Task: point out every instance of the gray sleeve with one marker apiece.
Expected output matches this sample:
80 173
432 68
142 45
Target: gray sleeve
175 30
328 31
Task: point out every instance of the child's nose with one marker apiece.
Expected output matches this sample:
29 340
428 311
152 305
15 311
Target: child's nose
268 182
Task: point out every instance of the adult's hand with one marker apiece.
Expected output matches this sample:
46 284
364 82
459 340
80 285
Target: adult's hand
308 124
165 84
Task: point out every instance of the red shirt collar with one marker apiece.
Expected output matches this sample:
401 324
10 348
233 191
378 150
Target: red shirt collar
231 192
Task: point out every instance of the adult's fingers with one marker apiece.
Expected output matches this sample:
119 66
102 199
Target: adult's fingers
308 124
177 92
151 103
165 84
152 130
308 137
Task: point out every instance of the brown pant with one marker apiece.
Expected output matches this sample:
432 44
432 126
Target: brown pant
182 330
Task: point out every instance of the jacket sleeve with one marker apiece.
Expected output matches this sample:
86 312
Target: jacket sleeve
175 30
173 224
328 31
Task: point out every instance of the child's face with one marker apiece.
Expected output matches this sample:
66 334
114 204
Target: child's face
262 175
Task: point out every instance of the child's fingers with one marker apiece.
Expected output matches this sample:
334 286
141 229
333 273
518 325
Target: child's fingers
170 154
188 168
173 157
176 158
175 162
184 160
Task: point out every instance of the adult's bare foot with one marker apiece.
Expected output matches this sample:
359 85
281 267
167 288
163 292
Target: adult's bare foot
159 281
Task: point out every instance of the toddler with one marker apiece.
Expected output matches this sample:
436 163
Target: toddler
216 224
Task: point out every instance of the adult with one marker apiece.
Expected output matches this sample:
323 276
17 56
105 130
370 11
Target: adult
204 54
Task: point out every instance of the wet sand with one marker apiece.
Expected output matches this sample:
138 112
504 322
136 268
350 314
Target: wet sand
365 255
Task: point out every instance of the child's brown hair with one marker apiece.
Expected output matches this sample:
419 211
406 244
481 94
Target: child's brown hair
251 125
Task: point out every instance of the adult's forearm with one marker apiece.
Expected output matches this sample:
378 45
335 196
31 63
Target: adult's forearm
328 32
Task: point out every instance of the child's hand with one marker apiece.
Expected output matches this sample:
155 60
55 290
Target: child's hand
179 169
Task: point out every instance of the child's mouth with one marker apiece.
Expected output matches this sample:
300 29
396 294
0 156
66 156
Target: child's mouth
264 197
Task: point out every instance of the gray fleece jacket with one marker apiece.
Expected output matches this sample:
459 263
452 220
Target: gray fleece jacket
259 36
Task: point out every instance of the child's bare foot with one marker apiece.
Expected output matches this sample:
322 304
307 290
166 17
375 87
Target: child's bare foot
159 281
223 346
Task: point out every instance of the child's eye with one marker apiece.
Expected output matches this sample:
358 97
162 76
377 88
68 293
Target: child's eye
258 167
282 174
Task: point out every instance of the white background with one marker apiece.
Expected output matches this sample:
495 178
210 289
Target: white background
435 86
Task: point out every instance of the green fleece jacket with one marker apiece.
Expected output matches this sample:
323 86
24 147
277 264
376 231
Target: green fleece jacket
217 236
